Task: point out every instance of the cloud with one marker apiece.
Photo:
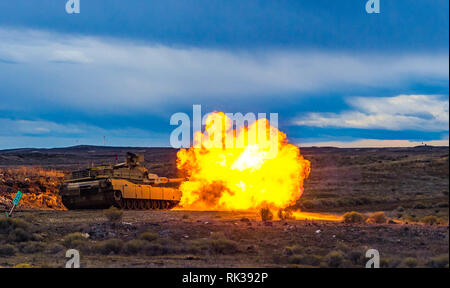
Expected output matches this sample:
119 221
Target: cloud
376 143
13 128
403 112
37 127
104 74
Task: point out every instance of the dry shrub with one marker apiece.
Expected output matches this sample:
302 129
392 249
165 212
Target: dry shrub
15 230
111 246
8 224
7 250
334 259
442 205
223 246
54 248
420 206
410 262
148 236
390 262
22 265
285 215
266 214
354 217
134 247
357 258
440 261
154 249
113 214
430 220
31 247
74 240
377 217
311 260
19 235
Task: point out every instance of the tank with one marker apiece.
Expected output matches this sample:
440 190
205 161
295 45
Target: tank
127 185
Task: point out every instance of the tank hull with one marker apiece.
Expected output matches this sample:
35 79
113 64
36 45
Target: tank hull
104 193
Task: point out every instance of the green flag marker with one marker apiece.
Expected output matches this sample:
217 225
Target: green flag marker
17 198
15 202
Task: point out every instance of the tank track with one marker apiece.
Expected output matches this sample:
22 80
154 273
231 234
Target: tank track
146 204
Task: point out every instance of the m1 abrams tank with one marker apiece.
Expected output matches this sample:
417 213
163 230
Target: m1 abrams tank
126 185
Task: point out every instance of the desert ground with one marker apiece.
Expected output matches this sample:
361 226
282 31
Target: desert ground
409 185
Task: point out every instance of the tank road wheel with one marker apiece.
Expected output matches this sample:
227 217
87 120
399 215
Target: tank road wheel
118 199
148 204
141 204
135 204
163 204
155 204
129 204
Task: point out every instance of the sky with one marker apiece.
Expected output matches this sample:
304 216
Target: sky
116 72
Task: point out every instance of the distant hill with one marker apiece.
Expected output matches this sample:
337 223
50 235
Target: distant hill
82 156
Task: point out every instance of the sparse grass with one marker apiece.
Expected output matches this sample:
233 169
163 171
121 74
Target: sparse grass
266 214
334 259
377 217
31 247
113 214
440 261
420 206
7 250
354 217
217 245
410 262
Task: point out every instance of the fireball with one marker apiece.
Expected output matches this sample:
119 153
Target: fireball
242 168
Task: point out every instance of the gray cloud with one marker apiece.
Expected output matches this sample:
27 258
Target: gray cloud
104 74
403 112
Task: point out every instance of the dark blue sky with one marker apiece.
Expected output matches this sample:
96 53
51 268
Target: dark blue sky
121 68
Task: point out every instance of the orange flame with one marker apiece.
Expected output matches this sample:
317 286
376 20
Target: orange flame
223 176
